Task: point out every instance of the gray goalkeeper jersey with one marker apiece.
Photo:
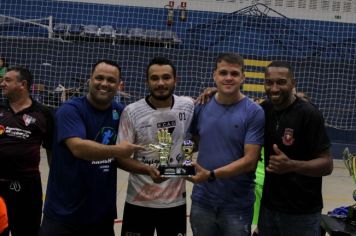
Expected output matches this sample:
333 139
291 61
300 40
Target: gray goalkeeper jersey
139 124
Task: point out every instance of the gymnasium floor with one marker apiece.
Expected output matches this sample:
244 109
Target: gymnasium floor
337 190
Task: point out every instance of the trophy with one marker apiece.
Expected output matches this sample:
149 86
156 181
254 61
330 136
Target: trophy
187 149
184 169
350 163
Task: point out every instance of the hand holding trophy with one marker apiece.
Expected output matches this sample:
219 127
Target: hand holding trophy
163 147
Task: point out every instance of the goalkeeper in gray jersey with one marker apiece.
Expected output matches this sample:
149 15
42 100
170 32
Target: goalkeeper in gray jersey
152 202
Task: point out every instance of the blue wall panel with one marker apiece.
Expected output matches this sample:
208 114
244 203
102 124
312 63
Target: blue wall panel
324 53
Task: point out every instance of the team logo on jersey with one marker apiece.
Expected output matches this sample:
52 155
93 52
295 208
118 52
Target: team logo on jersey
170 125
288 138
28 119
2 129
115 115
107 135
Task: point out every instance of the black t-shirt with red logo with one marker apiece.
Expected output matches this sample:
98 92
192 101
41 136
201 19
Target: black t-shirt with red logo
300 133
21 136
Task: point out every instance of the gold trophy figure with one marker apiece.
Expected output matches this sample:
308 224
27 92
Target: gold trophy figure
165 142
350 163
187 148
163 147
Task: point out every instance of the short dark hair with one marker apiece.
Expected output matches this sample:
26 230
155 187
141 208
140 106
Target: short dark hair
24 74
282 64
232 58
161 61
4 61
106 61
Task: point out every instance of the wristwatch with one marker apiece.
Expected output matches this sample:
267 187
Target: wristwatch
212 176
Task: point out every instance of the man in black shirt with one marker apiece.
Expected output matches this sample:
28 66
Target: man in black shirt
296 155
25 125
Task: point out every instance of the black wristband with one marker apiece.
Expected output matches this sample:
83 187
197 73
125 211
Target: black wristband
212 176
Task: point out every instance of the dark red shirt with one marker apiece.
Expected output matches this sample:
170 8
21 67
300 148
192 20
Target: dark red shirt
21 137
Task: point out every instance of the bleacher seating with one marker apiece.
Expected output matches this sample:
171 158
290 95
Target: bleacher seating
153 35
76 29
170 36
61 30
161 37
121 34
108 33
91 30
136 34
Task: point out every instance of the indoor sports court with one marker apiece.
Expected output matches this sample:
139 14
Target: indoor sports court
59 40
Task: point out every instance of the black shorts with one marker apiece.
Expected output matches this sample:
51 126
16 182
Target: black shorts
143 221
51 227
23 200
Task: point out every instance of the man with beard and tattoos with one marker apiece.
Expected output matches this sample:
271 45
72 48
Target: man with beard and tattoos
150 204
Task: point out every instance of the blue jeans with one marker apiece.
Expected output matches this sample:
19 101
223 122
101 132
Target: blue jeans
211 221
273 223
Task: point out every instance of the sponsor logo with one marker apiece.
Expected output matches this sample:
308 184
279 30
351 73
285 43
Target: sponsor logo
288 138
2 129
154 192
180 171
107 161
17 133
170 125
169 171
148 161
166 124
103 165
115 115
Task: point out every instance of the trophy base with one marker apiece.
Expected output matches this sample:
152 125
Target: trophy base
177 171
351 215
